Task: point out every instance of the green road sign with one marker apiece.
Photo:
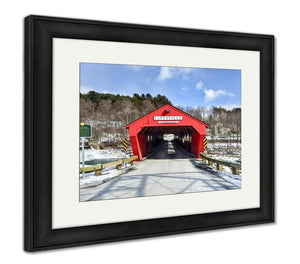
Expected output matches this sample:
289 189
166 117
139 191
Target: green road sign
85 131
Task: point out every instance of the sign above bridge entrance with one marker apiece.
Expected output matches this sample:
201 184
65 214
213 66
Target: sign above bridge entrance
167 118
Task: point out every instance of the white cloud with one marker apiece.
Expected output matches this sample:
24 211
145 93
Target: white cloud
85 89
165 73
211 95
105 91
199 85
170 72
184 72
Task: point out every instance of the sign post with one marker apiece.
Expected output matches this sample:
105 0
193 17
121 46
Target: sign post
85 132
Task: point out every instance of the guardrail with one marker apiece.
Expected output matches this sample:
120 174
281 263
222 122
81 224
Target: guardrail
98 168
235 167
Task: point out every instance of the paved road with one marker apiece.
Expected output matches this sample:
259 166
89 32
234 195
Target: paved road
169 171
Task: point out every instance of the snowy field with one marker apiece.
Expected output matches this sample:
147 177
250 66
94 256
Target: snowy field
230 153
108 153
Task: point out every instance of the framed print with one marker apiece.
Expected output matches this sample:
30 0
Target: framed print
135 131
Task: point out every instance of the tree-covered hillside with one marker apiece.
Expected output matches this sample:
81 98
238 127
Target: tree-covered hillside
110 107
109 113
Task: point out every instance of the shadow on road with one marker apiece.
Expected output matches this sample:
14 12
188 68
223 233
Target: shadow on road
169 150
140 185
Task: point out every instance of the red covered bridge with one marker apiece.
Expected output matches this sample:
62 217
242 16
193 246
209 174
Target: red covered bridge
147 131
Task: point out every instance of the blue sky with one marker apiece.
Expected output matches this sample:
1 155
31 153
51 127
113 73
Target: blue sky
182 86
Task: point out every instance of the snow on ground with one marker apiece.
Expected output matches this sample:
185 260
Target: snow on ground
228 158
227 152
89 179
108 153
104 156
228 176
230 153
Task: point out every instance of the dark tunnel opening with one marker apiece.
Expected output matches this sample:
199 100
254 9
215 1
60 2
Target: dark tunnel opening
168 140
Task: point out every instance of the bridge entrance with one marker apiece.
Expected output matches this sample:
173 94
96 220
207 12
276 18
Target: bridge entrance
148 131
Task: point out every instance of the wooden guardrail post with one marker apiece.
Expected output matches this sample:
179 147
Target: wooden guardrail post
219 167
98 172
235 171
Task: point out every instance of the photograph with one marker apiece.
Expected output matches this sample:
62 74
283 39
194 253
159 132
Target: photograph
158 130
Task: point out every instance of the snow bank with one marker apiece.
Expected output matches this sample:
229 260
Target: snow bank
226 174
232 178
89 179
108 153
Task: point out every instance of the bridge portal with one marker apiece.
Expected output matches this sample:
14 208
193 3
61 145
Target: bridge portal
149 130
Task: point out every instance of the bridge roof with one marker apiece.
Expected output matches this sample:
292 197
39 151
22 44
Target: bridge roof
162 118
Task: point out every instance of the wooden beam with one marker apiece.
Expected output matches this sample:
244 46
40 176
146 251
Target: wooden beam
235 167
98 168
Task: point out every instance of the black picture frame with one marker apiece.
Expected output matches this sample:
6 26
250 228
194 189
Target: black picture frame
39 31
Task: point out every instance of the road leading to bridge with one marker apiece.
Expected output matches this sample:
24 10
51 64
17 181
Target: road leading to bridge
170 170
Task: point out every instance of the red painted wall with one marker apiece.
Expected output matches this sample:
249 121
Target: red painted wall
138 142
